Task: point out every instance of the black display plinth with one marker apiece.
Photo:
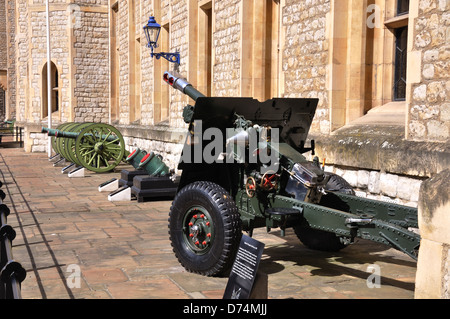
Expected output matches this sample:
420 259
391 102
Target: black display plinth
150 187
126 177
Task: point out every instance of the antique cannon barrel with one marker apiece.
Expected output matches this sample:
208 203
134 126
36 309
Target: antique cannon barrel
48 130
135 157
153 164
73 135
181 84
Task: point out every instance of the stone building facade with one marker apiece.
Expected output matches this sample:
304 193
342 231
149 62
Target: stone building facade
380 69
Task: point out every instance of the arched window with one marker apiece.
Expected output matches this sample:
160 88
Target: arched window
55 90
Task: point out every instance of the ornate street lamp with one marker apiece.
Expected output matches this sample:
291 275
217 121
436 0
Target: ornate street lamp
152 30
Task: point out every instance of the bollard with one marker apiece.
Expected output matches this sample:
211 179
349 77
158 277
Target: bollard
11 272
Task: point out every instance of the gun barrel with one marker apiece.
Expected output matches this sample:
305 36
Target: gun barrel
73 135
181 84
49 131
58 133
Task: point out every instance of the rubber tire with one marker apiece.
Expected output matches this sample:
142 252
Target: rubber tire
317 239
218 260
339 184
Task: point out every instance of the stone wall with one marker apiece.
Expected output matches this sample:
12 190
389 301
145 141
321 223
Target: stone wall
165 141
3 37
38 142
60 57
429 114
123 41
178 43
226 47
11 56
305 55
379 185
147 83
91 68
22 56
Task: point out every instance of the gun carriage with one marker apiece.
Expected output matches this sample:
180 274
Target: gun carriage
239 190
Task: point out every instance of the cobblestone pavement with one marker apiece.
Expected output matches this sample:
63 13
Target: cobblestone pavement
65 226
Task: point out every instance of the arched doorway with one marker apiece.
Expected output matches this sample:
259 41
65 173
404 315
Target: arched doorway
55 89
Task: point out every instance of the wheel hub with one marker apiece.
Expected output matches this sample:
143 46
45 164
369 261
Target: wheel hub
199 230
98 147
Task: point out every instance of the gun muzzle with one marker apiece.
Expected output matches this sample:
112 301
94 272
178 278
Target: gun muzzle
181 84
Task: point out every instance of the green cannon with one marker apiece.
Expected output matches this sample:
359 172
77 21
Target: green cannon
99 148
154 166
256 175
135 157
96 146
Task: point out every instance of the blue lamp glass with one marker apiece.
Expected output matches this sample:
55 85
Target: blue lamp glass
152 30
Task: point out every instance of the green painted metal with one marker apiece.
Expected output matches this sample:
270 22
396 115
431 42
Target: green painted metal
53 139
9 127
96 146
69 144
358 224
100 147
198 230
298 192
181 84
73 135
135 157
152 163
192 92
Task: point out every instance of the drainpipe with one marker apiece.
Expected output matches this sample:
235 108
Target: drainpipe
49 80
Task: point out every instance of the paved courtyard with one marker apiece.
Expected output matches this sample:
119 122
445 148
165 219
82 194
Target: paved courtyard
65 227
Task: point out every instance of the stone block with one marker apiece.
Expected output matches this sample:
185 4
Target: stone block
445 112
388 184
415 190
363 179
437 130
38 148
420 93
407 188
351 177
374 182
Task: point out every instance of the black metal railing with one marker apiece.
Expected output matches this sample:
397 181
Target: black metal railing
11 272
8 128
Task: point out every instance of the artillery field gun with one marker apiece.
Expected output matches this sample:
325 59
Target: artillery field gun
243 168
